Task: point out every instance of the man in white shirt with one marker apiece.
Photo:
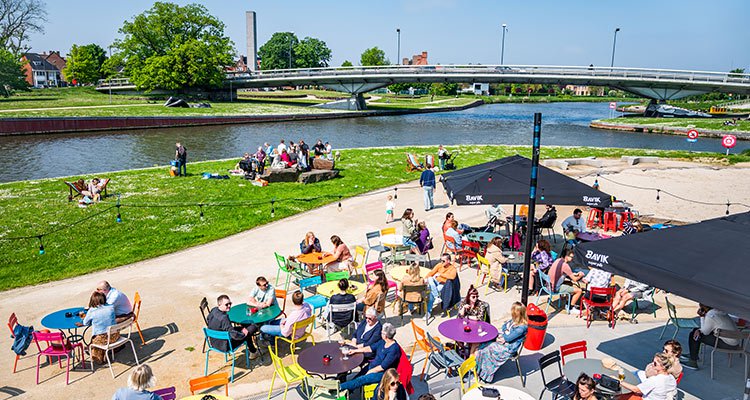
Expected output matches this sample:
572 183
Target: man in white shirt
574 222
711 319
661 386
120 302
281 147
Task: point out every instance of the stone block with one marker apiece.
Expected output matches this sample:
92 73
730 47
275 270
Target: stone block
560 164
281 175
317 175
322 163
633 160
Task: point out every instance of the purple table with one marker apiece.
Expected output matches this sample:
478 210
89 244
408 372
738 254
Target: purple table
454 329
311 359
591 237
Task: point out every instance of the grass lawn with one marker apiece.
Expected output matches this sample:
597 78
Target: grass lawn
698 123
30 208
69 97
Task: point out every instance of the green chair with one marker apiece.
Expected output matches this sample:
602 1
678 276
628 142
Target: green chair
337 276
647 296
283 266
688 323
327 389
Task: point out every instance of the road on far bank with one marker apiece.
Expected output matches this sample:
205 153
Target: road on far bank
676 126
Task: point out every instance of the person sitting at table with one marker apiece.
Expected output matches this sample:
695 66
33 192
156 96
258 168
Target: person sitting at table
575 221
283 326
263 294
409 230
115 298
444 271
585 388
541 258
512 334
564 280
631 290
453 233
472 308
387 355
342 255
711 319
341 318
218 320
495 257
673 349
411 278
100 316
390 387
368 334
660 386
632 226
448 223
139 381
375 294
309 244
424 241
549 214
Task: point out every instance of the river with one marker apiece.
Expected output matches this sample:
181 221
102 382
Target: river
564 124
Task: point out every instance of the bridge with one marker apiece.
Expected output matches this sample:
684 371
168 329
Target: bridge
656 84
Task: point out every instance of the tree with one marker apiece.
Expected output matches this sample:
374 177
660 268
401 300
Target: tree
19 18
347 63
278 50
11 73
737 72
84 63
373 56
175 48
444 89
311 53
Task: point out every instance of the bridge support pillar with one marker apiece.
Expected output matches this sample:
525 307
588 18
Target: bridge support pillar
358 102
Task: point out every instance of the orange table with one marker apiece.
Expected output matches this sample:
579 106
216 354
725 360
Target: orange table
315 258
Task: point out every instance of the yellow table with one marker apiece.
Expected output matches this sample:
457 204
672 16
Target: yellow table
398 272
200 396
328 289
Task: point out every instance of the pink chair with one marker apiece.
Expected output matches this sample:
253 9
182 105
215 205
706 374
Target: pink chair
169 393
58 347
377 265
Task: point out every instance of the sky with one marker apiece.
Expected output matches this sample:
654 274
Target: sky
671 34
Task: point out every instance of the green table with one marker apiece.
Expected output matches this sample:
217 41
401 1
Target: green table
239 314
482 237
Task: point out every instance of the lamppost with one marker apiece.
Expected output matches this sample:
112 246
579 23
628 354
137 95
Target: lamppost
110 76
291 39
614 43
502 48
398 54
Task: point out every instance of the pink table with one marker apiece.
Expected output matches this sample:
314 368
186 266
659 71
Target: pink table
454 329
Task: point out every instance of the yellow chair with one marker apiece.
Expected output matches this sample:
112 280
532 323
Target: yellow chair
358 265
484 269
369 391
469 366
307 325
523 211
289 374
136 312
388 231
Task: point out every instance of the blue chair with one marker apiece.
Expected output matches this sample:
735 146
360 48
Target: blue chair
375 245
548 288
442 358
317 301
223 335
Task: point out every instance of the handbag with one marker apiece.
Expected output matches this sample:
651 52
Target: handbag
610 383
490 392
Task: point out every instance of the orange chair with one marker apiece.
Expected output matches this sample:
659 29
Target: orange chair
210 381
421 340
136 312
453 248
12 322
573 348
281 295
595 218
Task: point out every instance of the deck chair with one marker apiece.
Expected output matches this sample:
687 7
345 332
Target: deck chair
75 189
412 163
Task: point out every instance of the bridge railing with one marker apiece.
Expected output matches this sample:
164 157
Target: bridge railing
113 83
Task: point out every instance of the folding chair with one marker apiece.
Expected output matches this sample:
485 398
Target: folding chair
687 323
573 348
224 335
119 342
558 386
58 347
210 381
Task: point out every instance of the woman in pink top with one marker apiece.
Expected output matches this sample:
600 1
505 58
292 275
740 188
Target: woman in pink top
283 327
342 254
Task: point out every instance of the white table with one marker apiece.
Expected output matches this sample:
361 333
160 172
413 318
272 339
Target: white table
506 393
392 240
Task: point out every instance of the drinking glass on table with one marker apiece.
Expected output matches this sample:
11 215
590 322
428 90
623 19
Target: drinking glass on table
345 352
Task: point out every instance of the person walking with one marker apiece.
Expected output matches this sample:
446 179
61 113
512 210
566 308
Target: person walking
180 155
427 182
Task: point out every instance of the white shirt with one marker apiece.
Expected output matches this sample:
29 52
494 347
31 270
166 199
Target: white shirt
390 205
571 223
280 148
718 319
119 301
598 278
659 387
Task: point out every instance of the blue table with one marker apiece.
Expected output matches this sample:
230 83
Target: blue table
58 320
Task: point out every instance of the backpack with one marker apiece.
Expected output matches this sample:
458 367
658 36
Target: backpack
22 337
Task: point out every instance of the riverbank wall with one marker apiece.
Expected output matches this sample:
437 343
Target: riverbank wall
663 129
33 126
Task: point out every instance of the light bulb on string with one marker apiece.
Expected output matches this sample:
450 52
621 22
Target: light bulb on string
41 245
657 194
395 193
201 206
273 210
728 204
339 208
542 197
119 217
489 178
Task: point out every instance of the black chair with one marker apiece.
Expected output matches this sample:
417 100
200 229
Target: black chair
549 225
204 311
559 386
422 303
516 358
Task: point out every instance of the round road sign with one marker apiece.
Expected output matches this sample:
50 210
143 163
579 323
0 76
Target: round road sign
728 141
692 134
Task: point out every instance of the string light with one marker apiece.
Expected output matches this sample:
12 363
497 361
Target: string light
728 203
489 178
41 245
542 198
119 217
339 203
395 193
657 194
201 206
273 210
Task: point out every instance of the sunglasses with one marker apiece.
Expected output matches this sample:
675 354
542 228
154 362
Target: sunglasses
263 286
228 304
394 384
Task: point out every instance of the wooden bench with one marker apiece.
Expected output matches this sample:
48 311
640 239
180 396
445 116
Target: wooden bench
76 189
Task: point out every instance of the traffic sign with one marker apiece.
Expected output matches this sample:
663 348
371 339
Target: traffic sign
692 134
728 141
612 105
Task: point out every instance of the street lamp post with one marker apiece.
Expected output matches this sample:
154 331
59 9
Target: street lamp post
110 77
398 53
502 47
614 43
291 39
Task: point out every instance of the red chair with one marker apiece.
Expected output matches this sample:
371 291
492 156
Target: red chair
12 322
679 378
573 348
169 393
589 303
468 252
610 221
595 218
625 217
58 347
